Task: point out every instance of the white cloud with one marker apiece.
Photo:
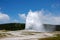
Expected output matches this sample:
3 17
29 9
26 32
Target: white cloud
4 17
22 16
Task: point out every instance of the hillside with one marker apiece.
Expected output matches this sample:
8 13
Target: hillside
12 26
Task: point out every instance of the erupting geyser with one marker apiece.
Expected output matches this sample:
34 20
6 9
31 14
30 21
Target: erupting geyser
34 22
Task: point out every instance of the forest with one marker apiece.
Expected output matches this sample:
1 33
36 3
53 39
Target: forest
12 26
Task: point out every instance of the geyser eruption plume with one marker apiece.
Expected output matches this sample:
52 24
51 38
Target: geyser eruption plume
33 22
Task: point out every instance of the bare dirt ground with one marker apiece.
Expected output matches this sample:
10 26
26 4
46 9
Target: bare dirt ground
25 35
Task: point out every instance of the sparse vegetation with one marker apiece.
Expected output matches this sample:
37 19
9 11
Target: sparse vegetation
52 38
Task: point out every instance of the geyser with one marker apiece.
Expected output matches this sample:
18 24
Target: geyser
34 22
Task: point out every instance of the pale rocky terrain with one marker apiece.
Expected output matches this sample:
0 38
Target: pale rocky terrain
25 35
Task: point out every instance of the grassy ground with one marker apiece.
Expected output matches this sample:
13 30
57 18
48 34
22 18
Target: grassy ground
52 38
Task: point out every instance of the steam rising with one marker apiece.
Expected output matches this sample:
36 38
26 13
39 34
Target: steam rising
34 22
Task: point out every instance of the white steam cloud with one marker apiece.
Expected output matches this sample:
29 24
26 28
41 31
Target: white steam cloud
34 21
46 17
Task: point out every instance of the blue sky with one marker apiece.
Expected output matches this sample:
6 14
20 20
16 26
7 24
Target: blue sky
13 8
